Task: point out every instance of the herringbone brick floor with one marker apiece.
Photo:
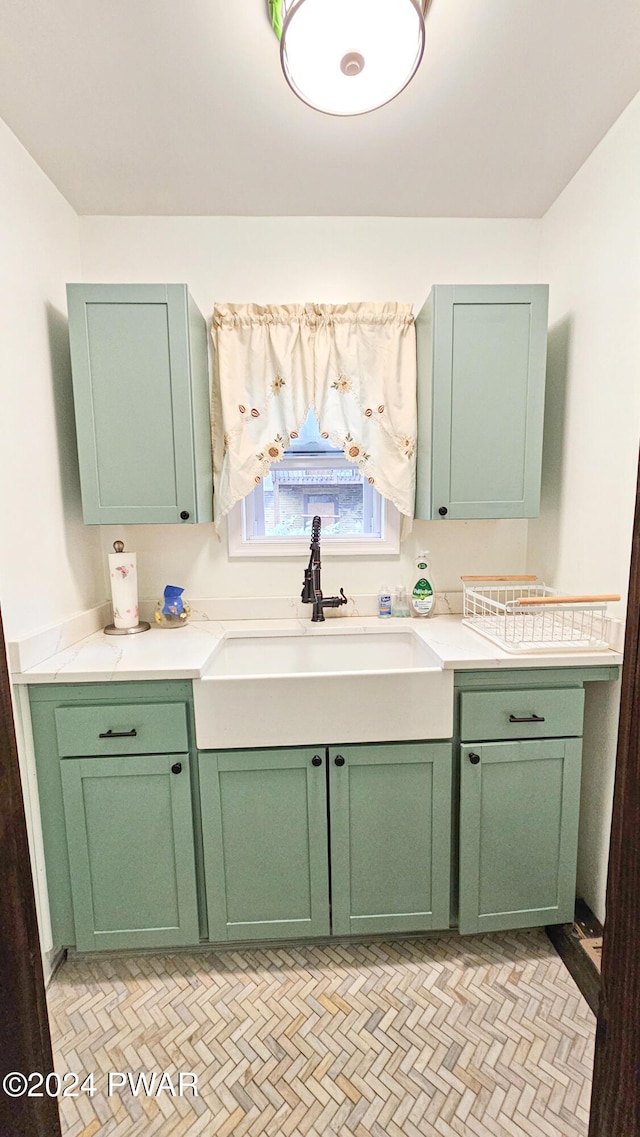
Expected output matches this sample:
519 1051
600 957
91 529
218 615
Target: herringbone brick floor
485 1036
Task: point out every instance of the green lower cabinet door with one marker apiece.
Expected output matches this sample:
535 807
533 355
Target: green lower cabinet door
390 837
519 806
131 853
264 824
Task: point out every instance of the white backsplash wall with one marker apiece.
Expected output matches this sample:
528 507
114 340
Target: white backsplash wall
192 557
331 260
582 539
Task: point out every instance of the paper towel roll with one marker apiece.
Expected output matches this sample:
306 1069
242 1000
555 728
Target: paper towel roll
124 589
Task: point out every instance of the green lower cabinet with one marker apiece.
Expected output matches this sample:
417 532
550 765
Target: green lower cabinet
266 848
390 810
264 825
519 805
131 854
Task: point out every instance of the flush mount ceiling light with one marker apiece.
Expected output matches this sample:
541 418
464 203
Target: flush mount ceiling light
347 57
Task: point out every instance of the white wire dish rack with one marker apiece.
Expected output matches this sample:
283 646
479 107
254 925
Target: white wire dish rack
520 613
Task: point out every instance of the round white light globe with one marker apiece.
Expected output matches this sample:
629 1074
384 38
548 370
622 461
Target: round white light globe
347 57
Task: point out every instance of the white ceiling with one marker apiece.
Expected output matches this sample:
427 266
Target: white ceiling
180 107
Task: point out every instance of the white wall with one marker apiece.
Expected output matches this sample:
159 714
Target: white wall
275 260
50 563
590 255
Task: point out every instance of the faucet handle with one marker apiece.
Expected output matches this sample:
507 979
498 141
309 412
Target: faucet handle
335 601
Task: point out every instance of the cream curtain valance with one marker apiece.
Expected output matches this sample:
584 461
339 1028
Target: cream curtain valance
354 364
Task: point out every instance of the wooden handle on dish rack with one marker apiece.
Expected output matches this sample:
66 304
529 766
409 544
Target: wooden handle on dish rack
534 578
524 602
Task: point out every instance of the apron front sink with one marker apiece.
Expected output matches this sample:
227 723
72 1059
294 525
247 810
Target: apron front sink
321 687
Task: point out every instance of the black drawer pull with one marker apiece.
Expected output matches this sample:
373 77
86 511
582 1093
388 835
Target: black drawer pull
474 759
527 718
119 733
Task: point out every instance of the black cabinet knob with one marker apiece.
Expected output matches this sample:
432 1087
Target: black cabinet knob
184 516
339 760
176 768
316 760
443 511
474 759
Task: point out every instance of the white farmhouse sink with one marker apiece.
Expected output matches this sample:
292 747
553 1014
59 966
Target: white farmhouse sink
320 687
309 654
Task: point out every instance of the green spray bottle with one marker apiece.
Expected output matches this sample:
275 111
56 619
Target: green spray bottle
423 597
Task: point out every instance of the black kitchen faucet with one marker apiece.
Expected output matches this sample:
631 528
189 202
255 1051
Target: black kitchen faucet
312 589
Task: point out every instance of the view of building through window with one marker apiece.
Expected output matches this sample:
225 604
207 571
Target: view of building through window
314 478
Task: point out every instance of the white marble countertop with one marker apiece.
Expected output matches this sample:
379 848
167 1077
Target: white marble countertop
183 653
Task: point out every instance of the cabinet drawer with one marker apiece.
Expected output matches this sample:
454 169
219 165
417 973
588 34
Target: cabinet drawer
128 728
535 713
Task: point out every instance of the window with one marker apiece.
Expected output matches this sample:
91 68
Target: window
313 479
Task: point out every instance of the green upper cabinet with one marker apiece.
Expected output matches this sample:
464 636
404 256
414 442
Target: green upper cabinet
481 376
141 391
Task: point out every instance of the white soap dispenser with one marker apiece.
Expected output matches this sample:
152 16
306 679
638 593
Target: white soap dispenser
384 602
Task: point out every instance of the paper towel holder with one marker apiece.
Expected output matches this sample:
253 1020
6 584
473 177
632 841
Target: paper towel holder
142 625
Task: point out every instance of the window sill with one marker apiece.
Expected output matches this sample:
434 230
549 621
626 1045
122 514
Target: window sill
280 547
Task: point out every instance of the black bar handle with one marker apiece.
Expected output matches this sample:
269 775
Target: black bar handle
527 718
119 733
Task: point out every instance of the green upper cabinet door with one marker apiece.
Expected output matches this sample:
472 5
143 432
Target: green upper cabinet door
390 837
264 827
141 391
481 377
519 806
131 851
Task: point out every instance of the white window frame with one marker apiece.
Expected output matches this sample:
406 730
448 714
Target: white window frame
354 545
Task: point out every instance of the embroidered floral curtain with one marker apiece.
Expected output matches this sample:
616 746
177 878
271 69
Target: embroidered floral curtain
354 364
